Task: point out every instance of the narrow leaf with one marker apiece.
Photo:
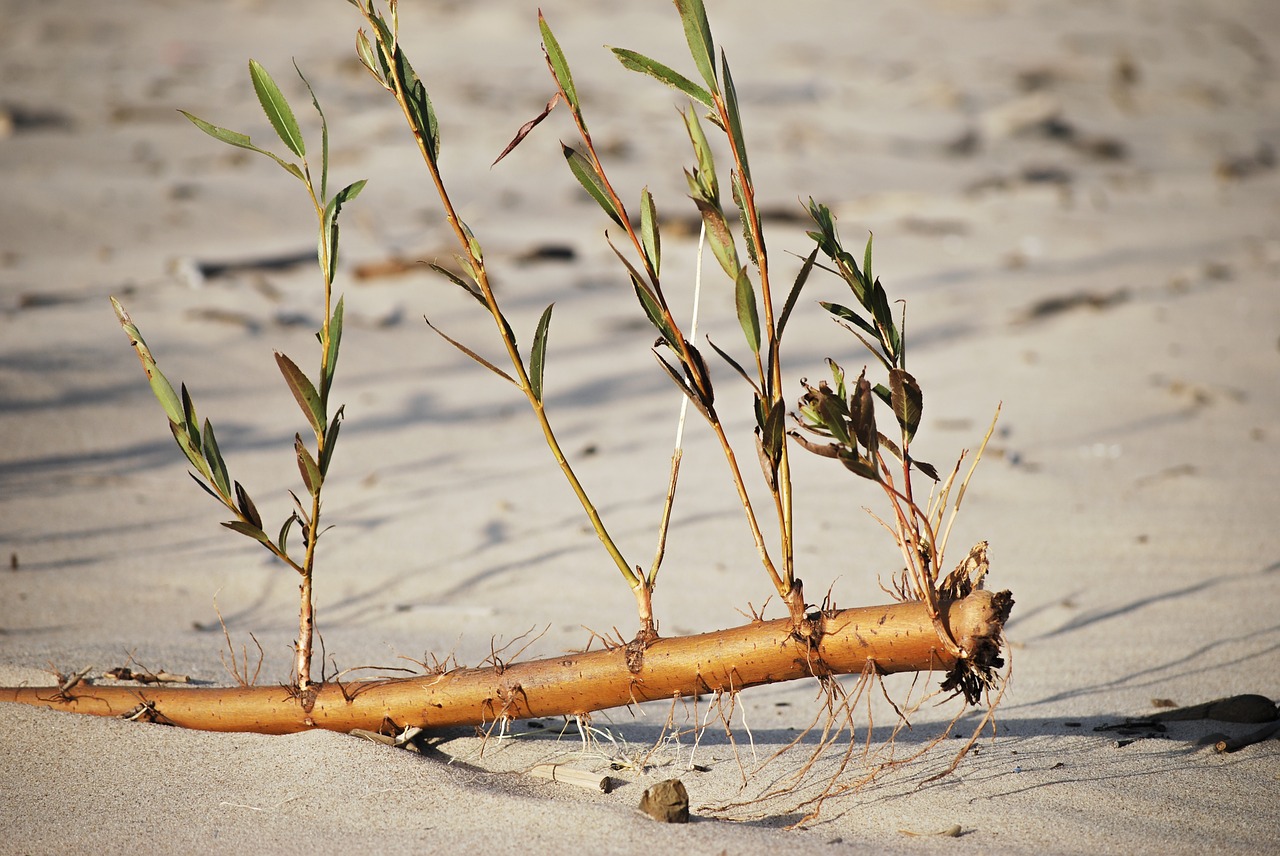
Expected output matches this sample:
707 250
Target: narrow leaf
183 439
672 78
329 228
863 416
304 391
794 294
159 383
772 431
254 532
907 401
421 112
866 261
526 128
887 331
696 368
242 141
217 466
324 134
283 540
277 109
735 365
331 441
364 50
204 486
190 423
748 234
538 354
307 466
558 65
705 174
735 121
846 314
748 315
698 33
246 506
654 313
189 411
591 181
331 354
470 353
458 281
684 386
473 249
719 238
650 237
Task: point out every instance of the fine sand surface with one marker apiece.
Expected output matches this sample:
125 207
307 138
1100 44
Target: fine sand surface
1079 201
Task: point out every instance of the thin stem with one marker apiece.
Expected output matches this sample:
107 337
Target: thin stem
782 490
482 280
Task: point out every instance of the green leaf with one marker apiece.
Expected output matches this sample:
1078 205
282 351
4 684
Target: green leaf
204 486
329 228
246 506
283 540
650 237
591 181
324 134
364 50
254 532
844 313
307 466
473 248
734 364
470 353
459 281
735 121
183 439
331 354
190 424
421 112
304 391
242 141
331 440
559 66
698 33
654 313
705 183
887 331
672 78
773 430
160 385
538 354
907 401
748 236
217 466
277 109
719 237
794 294
748 315
386 41
189 411
866 260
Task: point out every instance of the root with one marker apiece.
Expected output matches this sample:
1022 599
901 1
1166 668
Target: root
884 639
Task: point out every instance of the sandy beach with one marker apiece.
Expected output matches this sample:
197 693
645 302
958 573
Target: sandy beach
1079 204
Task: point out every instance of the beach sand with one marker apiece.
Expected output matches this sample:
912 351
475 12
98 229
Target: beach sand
1077 201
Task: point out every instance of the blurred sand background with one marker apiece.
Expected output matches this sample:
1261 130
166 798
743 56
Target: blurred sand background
1079 201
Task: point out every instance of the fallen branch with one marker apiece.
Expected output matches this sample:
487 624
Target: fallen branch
899 637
